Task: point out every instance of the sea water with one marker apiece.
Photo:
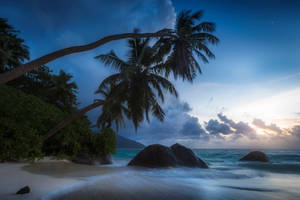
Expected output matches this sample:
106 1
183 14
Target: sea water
277 179
281 161
227 178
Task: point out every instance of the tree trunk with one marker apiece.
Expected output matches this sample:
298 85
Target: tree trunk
19 71
71 118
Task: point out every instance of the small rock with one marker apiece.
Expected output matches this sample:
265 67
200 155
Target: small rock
255 156
24 190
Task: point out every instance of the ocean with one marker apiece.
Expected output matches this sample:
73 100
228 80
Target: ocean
226 179
278 179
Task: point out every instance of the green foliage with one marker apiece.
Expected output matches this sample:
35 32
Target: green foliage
58 89
26 118
101 144
107 141
12 50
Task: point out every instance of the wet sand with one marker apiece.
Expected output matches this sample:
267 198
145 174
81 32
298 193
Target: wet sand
43 178
69 181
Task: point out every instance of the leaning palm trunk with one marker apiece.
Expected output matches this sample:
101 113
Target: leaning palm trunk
8 76
72 117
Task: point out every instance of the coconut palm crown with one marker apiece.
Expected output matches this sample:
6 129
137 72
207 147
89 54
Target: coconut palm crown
190 41
136 89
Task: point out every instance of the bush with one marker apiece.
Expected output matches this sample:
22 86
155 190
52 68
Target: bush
103 143
108 141
26 118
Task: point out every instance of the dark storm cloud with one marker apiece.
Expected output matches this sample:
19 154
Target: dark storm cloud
193 129
261 124
240 128
214 127
179 126
176 115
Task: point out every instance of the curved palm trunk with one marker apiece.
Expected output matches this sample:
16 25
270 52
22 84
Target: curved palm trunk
71 118
8 76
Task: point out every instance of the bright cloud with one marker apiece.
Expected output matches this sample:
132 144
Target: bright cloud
274 109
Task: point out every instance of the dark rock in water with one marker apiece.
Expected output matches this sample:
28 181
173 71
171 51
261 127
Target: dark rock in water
186 157
255 156
154 156
86 159
104 160
24 190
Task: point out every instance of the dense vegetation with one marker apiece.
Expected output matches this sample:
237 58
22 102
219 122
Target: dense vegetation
25 118
34 103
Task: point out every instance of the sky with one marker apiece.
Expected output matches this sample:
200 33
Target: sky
247 97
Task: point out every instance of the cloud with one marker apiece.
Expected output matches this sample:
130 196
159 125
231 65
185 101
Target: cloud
180 126
295 131
261 124
192 129
240 128
176 115
216 128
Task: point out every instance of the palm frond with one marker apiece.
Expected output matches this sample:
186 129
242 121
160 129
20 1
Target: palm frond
165 83
111 80
206 37
205 26
112 60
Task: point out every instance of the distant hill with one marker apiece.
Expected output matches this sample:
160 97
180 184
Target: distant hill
123 142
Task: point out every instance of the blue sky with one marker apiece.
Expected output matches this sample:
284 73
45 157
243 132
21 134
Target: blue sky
256 73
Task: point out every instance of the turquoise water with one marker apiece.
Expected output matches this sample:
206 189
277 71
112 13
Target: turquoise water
281 161
226 179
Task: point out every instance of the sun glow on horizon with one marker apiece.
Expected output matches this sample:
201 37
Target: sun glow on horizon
281 109
260 131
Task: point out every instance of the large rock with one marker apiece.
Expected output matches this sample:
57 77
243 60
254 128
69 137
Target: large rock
255 156
86 159
24 190
104 160
187 157
156 156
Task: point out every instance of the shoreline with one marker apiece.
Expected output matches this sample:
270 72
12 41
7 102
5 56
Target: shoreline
63 180
44 178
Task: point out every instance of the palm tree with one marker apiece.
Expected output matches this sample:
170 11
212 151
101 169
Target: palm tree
133 91
112 111
190 39
183 42
141 87
27 67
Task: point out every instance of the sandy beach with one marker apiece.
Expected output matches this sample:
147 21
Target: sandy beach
43 178
61 180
